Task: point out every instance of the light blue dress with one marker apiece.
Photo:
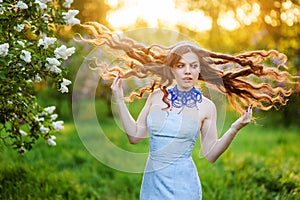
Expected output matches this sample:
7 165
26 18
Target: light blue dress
170 173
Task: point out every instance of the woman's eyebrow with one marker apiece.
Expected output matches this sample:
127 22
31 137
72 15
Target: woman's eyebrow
180 62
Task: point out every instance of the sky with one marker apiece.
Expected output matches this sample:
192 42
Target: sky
170 14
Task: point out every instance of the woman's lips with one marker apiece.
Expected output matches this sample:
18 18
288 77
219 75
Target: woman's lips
187 79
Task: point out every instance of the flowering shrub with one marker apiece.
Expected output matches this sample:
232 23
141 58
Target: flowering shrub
30 53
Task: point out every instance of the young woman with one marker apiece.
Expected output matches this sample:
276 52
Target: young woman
176 113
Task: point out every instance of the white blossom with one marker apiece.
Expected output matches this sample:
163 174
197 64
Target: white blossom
21 43
26 56
63 86
39 119
45 17
21 5
69 17
45 1
42 5
23 133
37 79
44 130
46 41
4 49
50 109
58 125
51 141
19 27
64 52
67 3
54 69
64 89
53 117
66 82
52 65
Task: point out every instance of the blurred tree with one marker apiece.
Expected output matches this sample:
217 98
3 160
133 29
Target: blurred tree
92 10
29 55
260 25
268 22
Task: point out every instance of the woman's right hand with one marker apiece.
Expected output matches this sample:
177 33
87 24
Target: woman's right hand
117 88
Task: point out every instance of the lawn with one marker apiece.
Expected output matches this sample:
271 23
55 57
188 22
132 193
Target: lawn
262 163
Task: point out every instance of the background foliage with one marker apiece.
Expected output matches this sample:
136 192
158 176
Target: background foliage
31 55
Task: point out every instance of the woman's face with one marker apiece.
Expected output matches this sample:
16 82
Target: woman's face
186 71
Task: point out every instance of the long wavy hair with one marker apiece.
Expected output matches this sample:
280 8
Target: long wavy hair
258 77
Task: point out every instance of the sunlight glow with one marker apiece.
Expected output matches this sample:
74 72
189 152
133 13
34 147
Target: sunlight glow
248 14
112 3
126 13
155 12
228 21
245 14
195 20
290 14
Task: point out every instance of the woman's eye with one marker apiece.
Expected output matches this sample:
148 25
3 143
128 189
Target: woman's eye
194 66
180 66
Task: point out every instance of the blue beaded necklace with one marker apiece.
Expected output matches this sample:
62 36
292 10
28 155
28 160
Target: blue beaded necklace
179 99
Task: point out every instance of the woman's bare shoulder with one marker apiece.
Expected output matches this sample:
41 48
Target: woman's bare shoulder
208 104
157 93
156 98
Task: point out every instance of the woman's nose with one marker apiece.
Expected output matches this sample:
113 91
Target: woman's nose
187 70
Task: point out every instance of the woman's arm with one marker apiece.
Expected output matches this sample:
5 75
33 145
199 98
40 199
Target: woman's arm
212 146
135 130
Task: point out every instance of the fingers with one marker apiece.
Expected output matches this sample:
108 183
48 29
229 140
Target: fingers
116 83
244 119
116 88
248 114
249 109
116 79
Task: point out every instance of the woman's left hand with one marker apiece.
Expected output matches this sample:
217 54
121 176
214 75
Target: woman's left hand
244 119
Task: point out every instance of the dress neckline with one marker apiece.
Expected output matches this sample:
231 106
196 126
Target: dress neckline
170 113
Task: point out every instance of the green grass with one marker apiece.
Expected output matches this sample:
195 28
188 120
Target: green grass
262 163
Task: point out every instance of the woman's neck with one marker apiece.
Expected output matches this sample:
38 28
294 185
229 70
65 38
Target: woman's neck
185 89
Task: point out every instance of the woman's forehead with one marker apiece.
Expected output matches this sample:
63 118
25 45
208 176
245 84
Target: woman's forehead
189 57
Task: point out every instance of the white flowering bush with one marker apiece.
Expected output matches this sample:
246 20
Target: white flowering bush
31 53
